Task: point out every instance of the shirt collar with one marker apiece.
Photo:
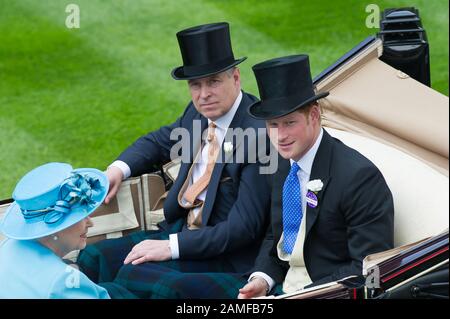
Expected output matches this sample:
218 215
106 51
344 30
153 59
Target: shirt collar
224 121
307 160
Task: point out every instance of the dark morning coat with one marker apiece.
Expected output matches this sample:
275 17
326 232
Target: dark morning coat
236 208
354 216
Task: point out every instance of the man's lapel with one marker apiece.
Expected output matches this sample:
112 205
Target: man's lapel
320 170
223 159
196 144
284 166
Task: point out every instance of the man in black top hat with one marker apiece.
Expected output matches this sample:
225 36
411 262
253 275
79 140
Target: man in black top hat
215 212
330 205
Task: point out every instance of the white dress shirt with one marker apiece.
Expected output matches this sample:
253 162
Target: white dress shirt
305 164
222 125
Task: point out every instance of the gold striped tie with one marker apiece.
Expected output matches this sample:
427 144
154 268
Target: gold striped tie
199 186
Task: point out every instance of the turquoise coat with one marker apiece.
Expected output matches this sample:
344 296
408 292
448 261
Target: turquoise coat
31 270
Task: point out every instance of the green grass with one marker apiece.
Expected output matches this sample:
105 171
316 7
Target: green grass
83 95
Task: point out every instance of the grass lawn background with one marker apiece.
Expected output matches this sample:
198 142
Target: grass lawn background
83 95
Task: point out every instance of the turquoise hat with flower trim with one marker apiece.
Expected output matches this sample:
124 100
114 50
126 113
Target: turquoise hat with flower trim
53 197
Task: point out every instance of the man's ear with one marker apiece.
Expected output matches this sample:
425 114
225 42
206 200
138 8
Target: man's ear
315 111
237 76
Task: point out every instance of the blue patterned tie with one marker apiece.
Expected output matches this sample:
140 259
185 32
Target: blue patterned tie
292 209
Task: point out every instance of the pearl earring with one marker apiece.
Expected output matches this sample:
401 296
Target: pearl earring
55 237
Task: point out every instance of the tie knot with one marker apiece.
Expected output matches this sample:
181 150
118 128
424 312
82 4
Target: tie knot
294 168
211 131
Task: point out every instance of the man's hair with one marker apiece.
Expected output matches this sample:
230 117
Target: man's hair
306 109
230 72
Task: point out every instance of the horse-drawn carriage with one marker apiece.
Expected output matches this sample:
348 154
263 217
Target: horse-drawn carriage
398 123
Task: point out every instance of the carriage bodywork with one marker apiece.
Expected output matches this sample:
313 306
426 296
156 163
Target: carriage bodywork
398 123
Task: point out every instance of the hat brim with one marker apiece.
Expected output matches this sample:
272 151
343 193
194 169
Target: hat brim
272 109
14 225
178 73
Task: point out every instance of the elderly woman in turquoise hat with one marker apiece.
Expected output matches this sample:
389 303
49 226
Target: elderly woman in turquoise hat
48 219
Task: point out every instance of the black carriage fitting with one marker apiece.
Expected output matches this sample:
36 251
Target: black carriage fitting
402 276
345 58
405 43
6 201
432 290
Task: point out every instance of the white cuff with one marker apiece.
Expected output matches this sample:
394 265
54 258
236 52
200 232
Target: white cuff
266 277
126 171
173 242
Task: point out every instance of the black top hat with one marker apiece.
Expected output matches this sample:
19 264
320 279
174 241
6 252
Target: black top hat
284 85
206 50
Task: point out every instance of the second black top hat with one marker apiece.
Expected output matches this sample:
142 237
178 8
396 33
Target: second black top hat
284 85
206 50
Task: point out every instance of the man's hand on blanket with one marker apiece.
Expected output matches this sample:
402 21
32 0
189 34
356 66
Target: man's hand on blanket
149 250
